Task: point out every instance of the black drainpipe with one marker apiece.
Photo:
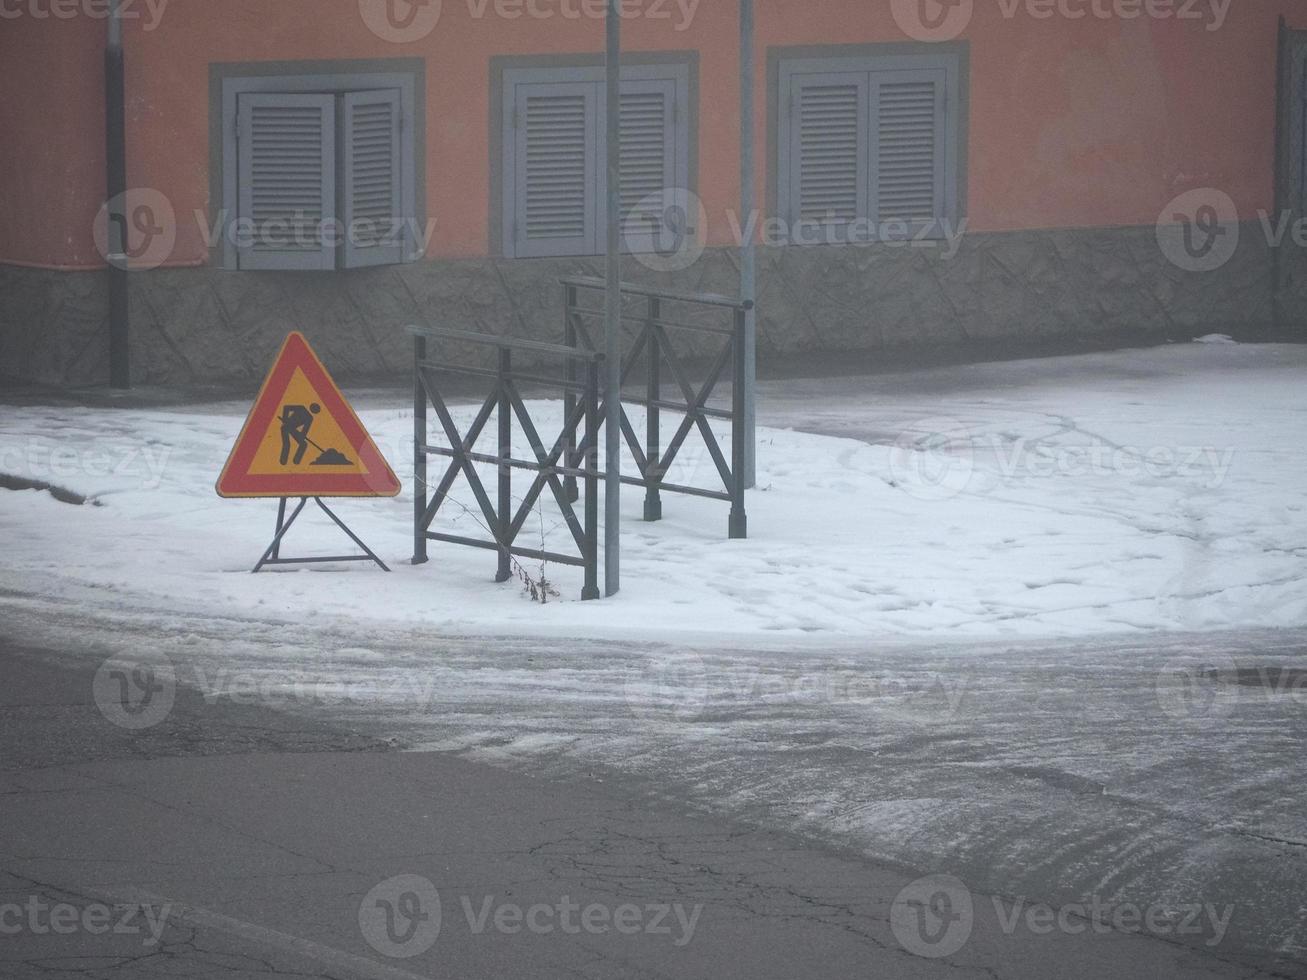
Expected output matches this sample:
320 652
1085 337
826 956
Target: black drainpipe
1278 198
115 129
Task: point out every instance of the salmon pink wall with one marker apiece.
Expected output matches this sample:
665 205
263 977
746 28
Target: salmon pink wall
51 140
1072 123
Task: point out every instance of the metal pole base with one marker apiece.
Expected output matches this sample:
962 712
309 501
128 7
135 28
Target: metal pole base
653 508
739 525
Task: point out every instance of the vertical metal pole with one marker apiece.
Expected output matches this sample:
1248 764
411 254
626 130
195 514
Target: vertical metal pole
590 460
613 309
653 500
569 396
115 100
281 524
419 453
505 571
748 248
739 522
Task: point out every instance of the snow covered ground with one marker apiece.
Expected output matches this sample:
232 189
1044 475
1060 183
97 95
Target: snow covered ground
910 656
1136 490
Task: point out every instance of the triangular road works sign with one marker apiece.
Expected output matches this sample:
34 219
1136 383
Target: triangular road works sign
302 439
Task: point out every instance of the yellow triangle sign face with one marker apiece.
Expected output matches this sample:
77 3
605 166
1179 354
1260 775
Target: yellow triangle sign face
302 438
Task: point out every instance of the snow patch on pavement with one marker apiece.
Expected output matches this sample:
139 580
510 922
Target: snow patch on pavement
1140 490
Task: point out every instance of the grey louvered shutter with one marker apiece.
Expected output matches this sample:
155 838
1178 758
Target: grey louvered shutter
550 205
371 177
647 140
908 162
287 180
828 143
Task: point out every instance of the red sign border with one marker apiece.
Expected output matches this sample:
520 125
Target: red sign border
236 480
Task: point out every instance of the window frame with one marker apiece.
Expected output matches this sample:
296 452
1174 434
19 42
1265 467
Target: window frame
785 65
678 68
228 82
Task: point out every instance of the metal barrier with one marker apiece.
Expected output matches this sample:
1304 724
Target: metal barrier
502 521
652 461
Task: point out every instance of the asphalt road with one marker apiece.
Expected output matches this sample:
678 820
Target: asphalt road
230 840
258 843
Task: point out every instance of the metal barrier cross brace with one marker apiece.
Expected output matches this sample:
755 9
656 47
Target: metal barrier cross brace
655 345
502 521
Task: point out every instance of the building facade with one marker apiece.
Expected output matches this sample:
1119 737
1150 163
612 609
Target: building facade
929 173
